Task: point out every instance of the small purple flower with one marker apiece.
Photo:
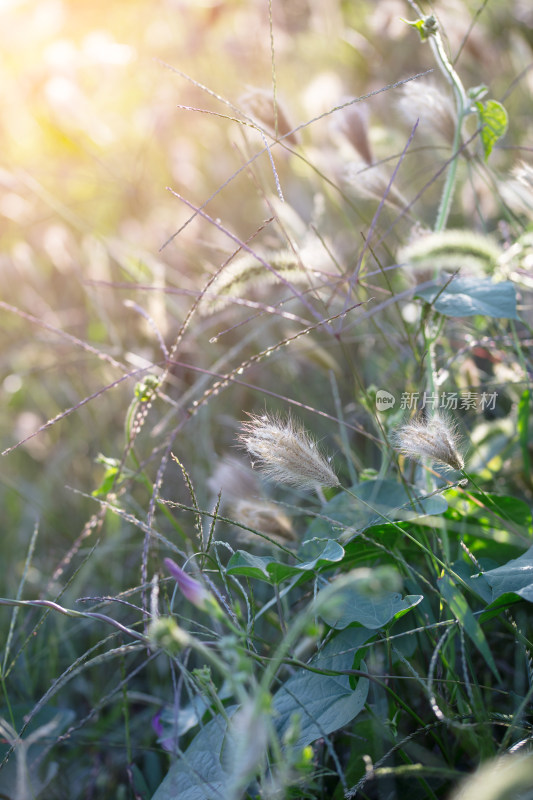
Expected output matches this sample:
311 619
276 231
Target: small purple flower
190 588
157 725
167 743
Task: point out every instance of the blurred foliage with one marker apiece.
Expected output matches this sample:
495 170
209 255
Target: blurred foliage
93 278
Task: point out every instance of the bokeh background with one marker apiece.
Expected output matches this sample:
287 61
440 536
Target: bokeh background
92 136
93 132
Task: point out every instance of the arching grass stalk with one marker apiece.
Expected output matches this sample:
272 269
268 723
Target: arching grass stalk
489 502
435 559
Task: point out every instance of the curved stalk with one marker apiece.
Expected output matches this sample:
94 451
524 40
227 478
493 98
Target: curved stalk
462 106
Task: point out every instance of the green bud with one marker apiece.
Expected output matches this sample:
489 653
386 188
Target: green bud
426 27
203 676
165 634
145 389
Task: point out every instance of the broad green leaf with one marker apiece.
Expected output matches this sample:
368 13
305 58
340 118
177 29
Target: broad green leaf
243 563
378 501
494 120
495 608
140 786
314 555
475 580
510 583
466 297
461 611
176 722
324 703
515 577
363 551
372 612
198 774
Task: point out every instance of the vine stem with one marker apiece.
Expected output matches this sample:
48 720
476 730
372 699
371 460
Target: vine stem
462 107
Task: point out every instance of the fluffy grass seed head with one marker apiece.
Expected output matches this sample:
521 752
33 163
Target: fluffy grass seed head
471 252
285 452
246 273
373 182
265 517
260 104
518 190
431 106
242 495
234 478
353 124
434 439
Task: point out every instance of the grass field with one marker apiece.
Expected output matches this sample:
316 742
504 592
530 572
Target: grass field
266 278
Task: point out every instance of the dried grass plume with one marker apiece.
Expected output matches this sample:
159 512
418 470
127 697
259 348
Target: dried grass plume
265 517
285 452
242 495
431 106
434 439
